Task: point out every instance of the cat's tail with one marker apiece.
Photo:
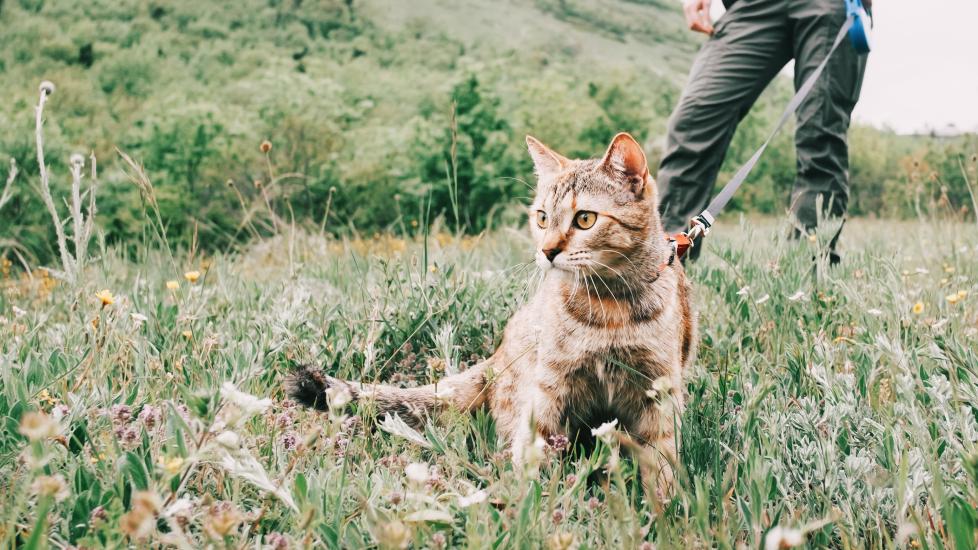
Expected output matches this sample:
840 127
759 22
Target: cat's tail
465 391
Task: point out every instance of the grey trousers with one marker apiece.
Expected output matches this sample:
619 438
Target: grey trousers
753 41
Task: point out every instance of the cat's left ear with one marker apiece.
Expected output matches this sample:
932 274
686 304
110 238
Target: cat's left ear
625 160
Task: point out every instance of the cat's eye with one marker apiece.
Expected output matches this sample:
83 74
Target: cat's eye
585 219
541 219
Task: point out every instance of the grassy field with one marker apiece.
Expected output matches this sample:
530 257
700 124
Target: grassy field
144 405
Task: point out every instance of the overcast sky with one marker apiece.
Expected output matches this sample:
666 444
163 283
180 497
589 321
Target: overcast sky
923 71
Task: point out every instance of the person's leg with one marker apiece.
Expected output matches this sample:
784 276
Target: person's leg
823 118
751 44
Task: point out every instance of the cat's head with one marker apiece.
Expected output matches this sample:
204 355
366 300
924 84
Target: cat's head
596 215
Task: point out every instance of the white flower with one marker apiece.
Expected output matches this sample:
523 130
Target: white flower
246 405
417 473
18 312
477 497
38 426
744 291
138 319
763 299
874 312
338 397
229 440
783 537
444 395
606 431
797 296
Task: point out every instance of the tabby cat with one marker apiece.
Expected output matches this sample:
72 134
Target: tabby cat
606 336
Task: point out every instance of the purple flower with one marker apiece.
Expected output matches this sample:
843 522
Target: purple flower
150 416
277 541
290 440
558 442
120 413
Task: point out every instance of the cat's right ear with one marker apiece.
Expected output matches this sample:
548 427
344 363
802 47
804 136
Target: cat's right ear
545 161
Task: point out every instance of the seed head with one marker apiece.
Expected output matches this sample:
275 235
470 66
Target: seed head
46 87
77 159
265 146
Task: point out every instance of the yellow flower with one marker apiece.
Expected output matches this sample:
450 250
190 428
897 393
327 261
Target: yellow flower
192 276
813 238
433 268
172 285
187 334
106 297
918 308
173 465
956 297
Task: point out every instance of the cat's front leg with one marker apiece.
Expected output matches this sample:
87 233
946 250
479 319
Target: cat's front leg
657 427
539 416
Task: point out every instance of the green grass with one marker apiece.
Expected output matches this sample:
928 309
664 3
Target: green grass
829 406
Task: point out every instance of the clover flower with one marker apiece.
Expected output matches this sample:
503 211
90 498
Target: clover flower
150 416
120 413
38 426
417 473
51 486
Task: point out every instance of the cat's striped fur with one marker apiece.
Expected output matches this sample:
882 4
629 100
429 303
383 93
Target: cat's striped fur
607 321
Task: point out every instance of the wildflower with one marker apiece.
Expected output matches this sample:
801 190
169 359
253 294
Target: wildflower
762 299
797 296
593 504
51 486
229 440
265 146
338 397
606 431
172 465
187 334
60 412
570 480
191 276
97 515
918 308
744 291
783 537
276 541
477 497
140 521
105 297
874 312
393 534
246 405
46 87
138 319
397 497
37 426
558 515
150 416
438 540
660 386
433 268
558 443
222 518
956 297
561 541
128 436
290 440
120 413
172 285
18 312
417 473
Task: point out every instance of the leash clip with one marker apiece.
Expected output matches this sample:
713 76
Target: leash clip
699 226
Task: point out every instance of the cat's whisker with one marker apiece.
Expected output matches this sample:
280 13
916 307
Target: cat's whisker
613 297
619 274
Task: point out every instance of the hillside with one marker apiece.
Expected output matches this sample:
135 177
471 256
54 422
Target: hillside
355 96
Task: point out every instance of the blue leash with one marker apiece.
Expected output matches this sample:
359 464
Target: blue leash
857 28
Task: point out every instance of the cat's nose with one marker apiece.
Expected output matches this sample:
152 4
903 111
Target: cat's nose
551 253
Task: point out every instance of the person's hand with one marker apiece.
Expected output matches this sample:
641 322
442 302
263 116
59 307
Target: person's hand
698 15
